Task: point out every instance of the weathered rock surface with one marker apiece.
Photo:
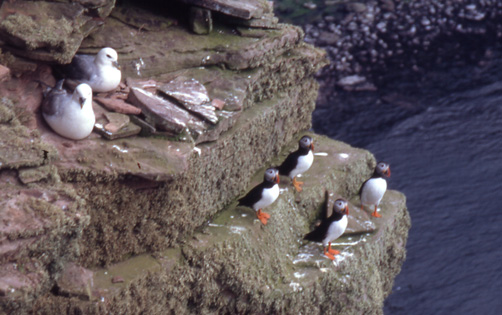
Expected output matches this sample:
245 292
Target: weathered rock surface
49 31
237 265
244 9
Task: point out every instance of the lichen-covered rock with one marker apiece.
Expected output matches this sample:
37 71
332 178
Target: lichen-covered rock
48 31
41 222
19 146
237 265
160 52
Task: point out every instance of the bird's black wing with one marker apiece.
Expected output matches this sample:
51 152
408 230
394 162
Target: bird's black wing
289 164
252 196
319 233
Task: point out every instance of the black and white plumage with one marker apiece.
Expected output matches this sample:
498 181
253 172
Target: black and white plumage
263 194
69 115
101 72
299 161
374 188
331 228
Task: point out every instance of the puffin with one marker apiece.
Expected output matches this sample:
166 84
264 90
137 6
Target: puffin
331 228
69 115
263 195
373 189
101 72
299 161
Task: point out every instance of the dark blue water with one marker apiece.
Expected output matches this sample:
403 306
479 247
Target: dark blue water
441 131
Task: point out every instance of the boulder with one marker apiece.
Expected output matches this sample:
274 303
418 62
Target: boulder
49 31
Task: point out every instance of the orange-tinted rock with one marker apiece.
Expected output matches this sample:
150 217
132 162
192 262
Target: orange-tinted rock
4 73
118 105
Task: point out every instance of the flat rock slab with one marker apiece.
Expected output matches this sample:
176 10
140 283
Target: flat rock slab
164 114
192 95
153 53
244 9
185 90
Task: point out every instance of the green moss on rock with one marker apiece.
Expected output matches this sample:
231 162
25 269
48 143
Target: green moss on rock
53 33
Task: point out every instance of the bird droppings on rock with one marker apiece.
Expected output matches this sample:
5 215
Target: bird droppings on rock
187 91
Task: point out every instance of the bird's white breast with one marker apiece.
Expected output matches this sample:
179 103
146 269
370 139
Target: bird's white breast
335 230
268 196
304 163
73 122
107 79
373 191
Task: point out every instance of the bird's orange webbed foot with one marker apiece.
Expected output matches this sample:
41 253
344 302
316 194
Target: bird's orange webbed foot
327 254
332 251
262 216
376 214
298 185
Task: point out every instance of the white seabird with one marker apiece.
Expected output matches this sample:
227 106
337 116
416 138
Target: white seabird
331 228
101 72
70 116
374 188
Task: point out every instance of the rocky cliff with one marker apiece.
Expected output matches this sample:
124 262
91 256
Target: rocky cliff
141 216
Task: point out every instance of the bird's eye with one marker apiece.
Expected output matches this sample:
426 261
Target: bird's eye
109 56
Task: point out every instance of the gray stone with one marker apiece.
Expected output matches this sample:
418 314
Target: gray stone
327 38
357 7
201 20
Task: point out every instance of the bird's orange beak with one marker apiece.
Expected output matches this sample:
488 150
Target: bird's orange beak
387 172
346 210
312 146
277 180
